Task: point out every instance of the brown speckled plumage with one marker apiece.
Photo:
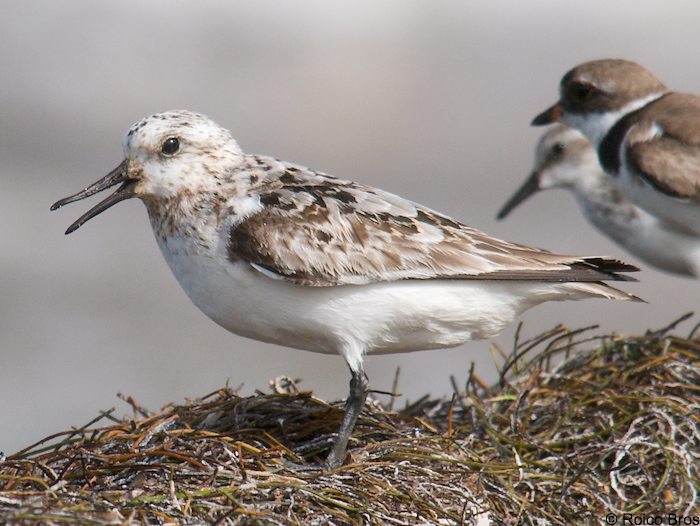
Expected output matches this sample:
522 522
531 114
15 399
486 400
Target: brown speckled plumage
316 230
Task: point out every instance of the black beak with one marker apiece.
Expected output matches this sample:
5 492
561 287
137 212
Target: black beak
548 116
116 176
529 187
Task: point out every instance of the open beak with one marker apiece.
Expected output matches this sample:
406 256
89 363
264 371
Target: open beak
125 191
529 187
548 116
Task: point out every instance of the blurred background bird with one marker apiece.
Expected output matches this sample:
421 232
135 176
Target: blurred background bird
566 159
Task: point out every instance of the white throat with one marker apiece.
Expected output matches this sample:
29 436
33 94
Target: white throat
595 126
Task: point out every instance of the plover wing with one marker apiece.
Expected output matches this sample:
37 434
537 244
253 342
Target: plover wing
664 147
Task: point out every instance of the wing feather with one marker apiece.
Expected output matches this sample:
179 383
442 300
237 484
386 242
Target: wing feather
664 147
316 230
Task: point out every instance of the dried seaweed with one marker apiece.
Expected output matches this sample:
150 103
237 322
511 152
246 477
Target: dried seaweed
577 427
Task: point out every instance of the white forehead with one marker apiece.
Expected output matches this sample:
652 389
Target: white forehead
195 128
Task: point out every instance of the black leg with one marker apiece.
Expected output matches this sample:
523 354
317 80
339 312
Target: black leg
353 407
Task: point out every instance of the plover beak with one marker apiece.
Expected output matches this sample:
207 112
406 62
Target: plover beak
529 187
116 176
548 116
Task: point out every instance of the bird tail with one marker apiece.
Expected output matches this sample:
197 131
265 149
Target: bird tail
598 289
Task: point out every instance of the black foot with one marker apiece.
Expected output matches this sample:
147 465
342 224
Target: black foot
353 407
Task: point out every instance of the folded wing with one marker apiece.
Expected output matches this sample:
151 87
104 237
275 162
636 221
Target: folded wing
316 230
664 147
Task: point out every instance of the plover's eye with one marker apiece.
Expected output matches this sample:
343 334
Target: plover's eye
580 91
558 149
170 146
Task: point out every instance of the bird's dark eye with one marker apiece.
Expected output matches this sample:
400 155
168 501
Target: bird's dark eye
558 149
170 146
580 91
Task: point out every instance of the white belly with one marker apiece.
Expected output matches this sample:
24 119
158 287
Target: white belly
354 319
646 236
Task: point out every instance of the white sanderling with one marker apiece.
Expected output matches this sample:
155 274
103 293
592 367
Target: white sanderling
565 159
647 137
280 253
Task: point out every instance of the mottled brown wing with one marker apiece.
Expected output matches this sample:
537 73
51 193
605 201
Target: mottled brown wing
330 232
664 147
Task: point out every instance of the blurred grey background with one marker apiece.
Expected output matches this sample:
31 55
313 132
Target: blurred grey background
431 100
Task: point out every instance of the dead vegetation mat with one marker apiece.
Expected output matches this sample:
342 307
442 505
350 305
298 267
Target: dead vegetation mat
578 426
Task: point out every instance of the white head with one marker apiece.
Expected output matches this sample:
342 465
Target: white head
563 159
165 155
175 150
